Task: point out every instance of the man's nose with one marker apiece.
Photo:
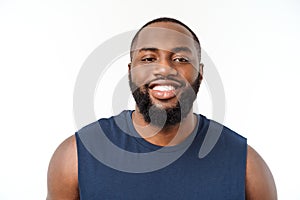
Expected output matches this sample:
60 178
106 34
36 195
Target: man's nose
165 67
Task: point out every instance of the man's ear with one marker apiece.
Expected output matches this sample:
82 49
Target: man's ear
129 66
201 65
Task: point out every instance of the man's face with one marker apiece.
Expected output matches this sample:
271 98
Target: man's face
165 73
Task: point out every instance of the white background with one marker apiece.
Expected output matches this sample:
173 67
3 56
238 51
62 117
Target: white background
43 44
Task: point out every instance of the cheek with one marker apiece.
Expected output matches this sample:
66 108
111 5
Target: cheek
140 75
189 75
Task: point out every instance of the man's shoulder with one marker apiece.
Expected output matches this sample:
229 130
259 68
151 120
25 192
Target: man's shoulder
121 117
214 127
62 179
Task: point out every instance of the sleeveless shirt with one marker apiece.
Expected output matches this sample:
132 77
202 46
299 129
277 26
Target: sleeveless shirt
114 162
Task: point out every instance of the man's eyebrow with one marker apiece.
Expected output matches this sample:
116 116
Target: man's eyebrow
174 50
179 49
148 49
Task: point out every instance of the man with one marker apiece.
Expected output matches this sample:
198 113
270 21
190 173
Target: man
161 138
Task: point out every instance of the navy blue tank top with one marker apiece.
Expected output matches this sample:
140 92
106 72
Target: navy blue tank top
114 162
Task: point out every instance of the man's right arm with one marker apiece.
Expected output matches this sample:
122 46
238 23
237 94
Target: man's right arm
62 177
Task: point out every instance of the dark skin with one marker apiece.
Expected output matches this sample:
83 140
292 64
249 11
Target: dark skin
159 57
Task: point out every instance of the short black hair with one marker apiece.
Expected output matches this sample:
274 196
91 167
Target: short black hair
172 20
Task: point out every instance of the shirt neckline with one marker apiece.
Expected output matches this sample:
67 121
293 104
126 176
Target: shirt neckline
141 141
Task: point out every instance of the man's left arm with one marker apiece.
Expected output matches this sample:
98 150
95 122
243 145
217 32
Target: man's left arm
260 183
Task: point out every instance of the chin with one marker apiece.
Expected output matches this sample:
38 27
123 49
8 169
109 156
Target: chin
165 105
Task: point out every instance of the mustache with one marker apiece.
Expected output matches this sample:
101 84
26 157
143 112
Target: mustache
146 84
170 78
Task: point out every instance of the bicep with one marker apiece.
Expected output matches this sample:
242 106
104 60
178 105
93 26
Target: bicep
62 178
259 180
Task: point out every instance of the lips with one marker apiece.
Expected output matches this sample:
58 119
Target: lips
164 89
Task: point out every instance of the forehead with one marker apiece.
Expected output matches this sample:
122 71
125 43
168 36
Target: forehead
165 36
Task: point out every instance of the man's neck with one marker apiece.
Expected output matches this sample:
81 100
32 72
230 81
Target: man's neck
166 136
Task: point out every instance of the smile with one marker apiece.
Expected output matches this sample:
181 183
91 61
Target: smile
164 89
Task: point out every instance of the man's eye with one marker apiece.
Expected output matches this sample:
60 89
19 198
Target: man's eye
181 59
148 59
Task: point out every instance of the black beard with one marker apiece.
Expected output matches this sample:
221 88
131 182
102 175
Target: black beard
164 117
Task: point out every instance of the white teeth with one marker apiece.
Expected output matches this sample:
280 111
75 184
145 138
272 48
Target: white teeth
164 87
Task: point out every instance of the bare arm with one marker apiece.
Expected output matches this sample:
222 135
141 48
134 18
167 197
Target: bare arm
62 172
259 180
